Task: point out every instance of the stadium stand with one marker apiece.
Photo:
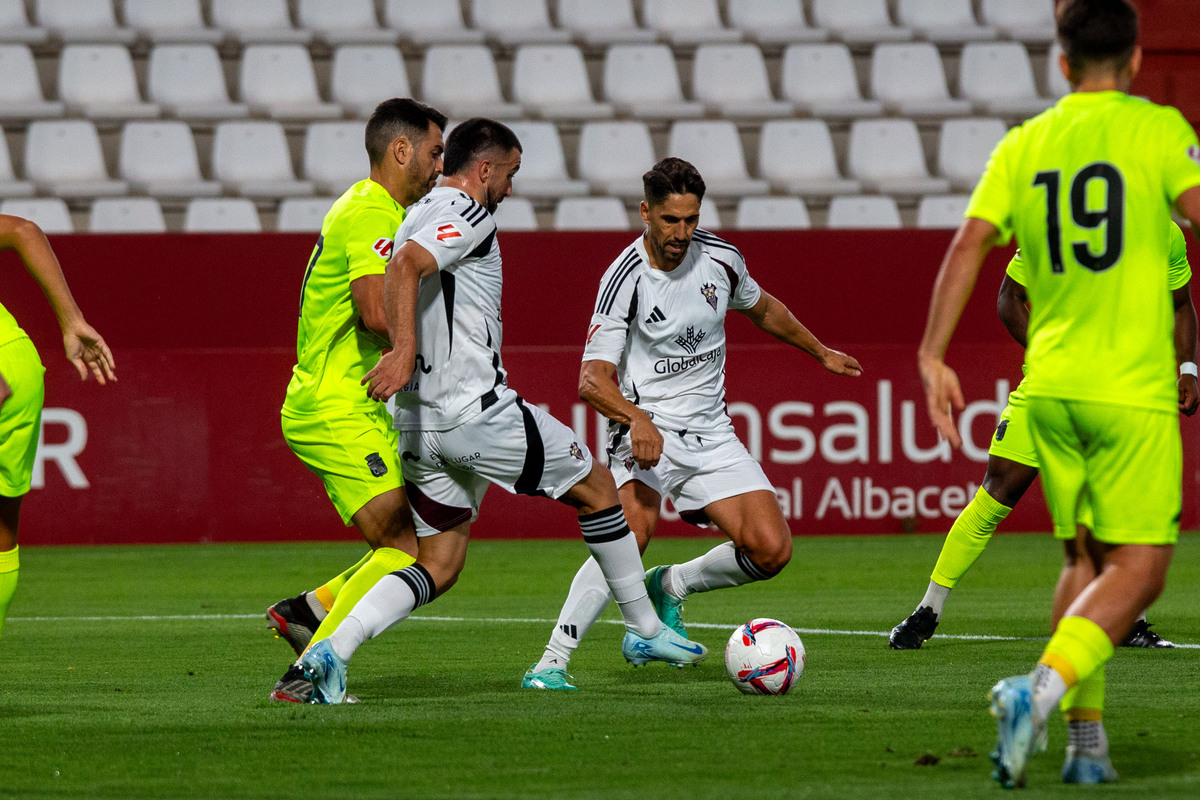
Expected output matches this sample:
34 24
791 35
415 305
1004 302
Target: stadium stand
771 213
516 214
170 22
909 79
515 22
590 213
625 86
944 22
613 156
334 157
714 147
797 157
221 215
252 159
160 159
820 79
303 214
278 80
731 80
15 27
687 22
552 82
886 155
964 147
260 22
600 24
188 82
337 22
543 167
861 22
361 74
941 210
462 81
21 95
998 78
422 23
50 213
82 21
863 211
773 22
9 185
126 215
48 143
97 81
1023 20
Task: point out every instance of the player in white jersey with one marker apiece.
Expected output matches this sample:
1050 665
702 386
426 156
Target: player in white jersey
659 325
461 426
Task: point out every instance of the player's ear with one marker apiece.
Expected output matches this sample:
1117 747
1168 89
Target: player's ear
401 150
1135 61
644 210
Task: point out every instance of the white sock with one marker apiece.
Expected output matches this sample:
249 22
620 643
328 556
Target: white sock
935 598
615 549
1048 690
314 605
1141 617
389 601
719 568
1087 737
585 603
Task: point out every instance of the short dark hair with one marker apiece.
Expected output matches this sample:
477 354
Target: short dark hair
671 176
400 116
471 140
1097 31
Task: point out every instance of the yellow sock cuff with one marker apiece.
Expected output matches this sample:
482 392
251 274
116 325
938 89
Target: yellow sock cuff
324 597
1062 666
10 560
1084 714
1077 649
990 506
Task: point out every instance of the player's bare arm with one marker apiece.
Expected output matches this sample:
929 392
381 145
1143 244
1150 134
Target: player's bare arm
955 281
5 390
1186 347
772 316
1188 204
598 390
367 292
1012 304
402 280
85 347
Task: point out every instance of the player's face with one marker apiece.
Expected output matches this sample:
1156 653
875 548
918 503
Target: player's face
500 179
426 165
669 227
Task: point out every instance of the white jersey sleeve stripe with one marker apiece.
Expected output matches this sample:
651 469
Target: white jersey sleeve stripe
609 293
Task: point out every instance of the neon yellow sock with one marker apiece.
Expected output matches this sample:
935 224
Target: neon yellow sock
10 567
1077 650
327 594
1085 701
382 561
967 538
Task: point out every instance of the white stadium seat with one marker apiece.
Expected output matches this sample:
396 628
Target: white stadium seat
159 158
49 213
462 81
422 22
187 81
552 81
731 79
625 86
590 214
1024 20
362 76
543 167
998 77
821 79
773 22
714 148
943 21
614 155
772 214
344 22
221 215
170 21
796 156
262 21
886 155
516 214
710 217
97 80
942 210
91 21
687 22
303 214
863 211
598 24
1056 83
279 79
126 215
335 156
21 95
858 22
909 79
514 22
9 185
252 159
15 27
964 148
63 158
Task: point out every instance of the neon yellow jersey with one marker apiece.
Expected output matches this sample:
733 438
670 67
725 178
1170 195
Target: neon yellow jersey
1179 271
9 329
333 348
1087 187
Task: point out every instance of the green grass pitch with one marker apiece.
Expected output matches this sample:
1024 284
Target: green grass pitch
138 672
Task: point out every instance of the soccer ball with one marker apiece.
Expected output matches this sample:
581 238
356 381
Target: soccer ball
764 656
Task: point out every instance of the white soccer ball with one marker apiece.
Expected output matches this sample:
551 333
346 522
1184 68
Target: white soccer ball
764 656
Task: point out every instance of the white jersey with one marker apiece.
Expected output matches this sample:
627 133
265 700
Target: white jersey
665 331
458 371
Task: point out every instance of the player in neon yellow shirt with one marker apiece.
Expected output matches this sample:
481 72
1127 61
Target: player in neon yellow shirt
1087 188
21 388
339 433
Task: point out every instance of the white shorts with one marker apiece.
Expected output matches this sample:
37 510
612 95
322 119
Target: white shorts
512 444
695 469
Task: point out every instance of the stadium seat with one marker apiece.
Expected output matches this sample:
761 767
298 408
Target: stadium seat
773 22
278 79
821 79
63 158
221 215
15 27
21 95
252 159
797 157
731 79
49 213
1057 85
601 24
614 155
516 214
187 80
998 78
516 22
625 86
771 214
863 211
303 214
344 22
543 166
590 214
364 75
886 155
170 22
126 215
552 81
97 80
943 21
909 79
83 21
715 149
260 22
335 157
462 81
687 22
424 23
159 158
9 185
1024 20
942 210
710 217
860 22
964 148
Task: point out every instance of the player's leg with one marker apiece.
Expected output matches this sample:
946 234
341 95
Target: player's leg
10 512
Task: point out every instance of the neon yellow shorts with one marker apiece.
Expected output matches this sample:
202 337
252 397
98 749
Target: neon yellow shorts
354 454
20 416
1012 439
1120 464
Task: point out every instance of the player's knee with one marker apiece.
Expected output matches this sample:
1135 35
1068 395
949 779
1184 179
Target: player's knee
771 552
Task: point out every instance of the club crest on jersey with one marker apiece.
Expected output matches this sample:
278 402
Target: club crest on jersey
710 294
447 232
690 340
576 450
629 462
383 248
376 465
1194 153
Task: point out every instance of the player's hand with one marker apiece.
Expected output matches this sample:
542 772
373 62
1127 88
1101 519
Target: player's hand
646 440
942 395
839 363
389 376
1189 398
87 351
